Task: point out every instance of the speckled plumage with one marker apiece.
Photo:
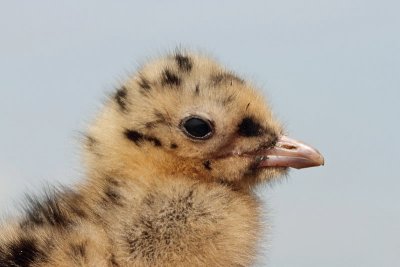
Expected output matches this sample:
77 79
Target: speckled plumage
154 196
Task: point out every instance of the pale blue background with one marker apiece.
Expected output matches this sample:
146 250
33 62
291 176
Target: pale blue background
331 70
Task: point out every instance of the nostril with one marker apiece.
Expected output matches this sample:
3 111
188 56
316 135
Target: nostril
289 147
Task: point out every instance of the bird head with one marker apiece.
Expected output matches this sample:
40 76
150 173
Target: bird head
185 115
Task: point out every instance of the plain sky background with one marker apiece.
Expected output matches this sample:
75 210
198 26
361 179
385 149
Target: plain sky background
331 70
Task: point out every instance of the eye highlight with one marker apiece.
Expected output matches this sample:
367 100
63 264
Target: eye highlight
197 128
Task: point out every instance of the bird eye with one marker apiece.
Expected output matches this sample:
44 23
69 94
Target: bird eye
196 127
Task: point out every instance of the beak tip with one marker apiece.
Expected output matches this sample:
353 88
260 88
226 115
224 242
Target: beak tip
320 160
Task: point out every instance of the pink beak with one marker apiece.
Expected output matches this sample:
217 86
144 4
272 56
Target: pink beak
288 152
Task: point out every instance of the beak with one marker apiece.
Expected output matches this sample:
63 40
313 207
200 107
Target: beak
288 152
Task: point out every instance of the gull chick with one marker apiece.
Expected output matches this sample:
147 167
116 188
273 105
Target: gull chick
171 163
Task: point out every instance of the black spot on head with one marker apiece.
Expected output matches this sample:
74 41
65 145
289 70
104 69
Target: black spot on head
144 84
154 140
120 98
134 136
169 78
24 252
225 78
184 62
139 138
207 165
173 146
91 144
249 128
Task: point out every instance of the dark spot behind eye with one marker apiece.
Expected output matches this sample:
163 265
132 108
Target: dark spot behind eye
250 128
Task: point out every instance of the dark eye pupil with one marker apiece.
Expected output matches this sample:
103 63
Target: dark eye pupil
197 128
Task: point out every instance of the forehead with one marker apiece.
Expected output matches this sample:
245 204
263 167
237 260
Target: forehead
195 79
